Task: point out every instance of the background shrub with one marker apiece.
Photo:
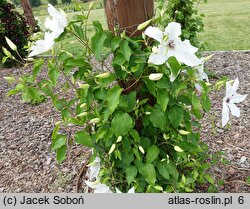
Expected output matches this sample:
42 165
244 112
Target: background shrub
66 1
14 26
16 2
35 3
53 2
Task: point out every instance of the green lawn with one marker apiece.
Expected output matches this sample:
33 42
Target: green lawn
226 24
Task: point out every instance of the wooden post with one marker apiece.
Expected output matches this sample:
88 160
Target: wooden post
126 15
28 13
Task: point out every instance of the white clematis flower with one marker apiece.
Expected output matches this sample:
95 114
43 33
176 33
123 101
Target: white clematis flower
94 168
132 190
56 25
98 187
170 44
42 46
229 101
57 22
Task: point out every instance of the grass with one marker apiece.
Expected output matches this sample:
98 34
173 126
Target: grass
225 23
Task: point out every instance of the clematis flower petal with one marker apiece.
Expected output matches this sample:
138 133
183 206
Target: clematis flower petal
229 90
118 191
102 188
98 187
235 85
184 52
154 33
238 98
225 114
94 168
198 87
234 110
132 190
159 57
173 30
57 22
201 75
42 46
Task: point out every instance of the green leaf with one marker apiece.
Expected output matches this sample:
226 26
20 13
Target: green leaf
113 97
162 98
175 66
59 103
6 52
79 31
121 124
131 173
115 43
53 73
158 118
128 102
178 88
196 102
9 79
175 115
126 50
97 41
163 83
206 103
72 62
150 85
61 154
81 137
13 91
152 153
196 106
58 142
135 135
63 56
4 59
149 173
163 169
209 178
37 67
55 131
119 59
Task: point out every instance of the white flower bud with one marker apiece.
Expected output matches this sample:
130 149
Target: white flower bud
95 120
141 149
112 148
144 25
83 86
183 132
11 44
178 149
119 139
103 75
82 114
83 105
91 5
155 76
154 49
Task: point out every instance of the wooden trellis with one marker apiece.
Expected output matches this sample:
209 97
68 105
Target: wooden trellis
126 15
